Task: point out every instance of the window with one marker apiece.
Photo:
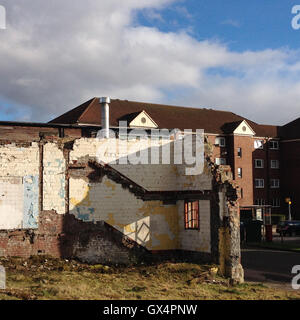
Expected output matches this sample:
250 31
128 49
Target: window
240 172
242 193
220 141
239 152
276 202
258 144
259 183
274 145
220 161
274 164
260 202
259 163
191 215
275 183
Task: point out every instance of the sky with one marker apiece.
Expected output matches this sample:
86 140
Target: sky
233 55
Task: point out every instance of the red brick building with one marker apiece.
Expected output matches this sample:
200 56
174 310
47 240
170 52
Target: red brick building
290 169
265 159
252 150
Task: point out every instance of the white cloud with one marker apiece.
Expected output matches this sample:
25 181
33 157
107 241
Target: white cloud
55 55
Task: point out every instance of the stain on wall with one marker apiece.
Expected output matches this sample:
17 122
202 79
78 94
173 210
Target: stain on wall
31 202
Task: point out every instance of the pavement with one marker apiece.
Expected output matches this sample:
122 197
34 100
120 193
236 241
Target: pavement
269 266
288 240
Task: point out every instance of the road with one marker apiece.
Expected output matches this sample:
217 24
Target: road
271 266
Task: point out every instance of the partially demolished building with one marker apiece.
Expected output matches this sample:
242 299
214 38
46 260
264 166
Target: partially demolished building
67 191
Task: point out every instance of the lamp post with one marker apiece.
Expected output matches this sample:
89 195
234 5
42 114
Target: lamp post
289 202
290 215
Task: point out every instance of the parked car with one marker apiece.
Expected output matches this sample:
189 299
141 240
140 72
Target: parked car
291 228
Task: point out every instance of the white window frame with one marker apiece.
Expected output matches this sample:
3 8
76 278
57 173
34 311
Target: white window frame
274 142
275 183
239 152
261 183
276 202
221 161
240 172
260 142
255 163
260 202
277 164
220 141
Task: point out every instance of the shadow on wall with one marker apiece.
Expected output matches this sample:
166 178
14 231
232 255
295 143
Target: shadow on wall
98 243
103 199
90 232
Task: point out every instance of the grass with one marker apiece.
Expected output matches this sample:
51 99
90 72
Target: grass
46 278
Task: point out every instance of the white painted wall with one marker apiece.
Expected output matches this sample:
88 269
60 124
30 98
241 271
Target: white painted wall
11 203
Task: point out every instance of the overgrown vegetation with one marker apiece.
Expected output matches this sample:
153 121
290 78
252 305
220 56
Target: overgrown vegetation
48 278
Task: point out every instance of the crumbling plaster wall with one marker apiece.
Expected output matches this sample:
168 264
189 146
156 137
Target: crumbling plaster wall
153 224
19 177
54 171
153 177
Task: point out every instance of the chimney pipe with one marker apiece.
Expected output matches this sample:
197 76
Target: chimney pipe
104 101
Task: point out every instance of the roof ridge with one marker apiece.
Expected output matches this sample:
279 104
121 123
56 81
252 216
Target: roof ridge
176 106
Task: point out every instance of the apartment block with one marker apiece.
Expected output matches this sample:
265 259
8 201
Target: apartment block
256 153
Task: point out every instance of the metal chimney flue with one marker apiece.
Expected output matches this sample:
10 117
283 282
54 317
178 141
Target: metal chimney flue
104 102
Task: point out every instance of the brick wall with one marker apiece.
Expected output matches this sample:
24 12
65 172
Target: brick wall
65 236
77 201
246 163
249 194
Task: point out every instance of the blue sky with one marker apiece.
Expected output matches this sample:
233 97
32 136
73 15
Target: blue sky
241 24
240 56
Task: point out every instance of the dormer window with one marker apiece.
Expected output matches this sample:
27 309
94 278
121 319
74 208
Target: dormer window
142 120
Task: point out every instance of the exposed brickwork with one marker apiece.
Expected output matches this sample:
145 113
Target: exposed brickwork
107 214
64 236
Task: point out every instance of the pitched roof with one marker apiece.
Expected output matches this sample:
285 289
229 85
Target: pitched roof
166 116
291 130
